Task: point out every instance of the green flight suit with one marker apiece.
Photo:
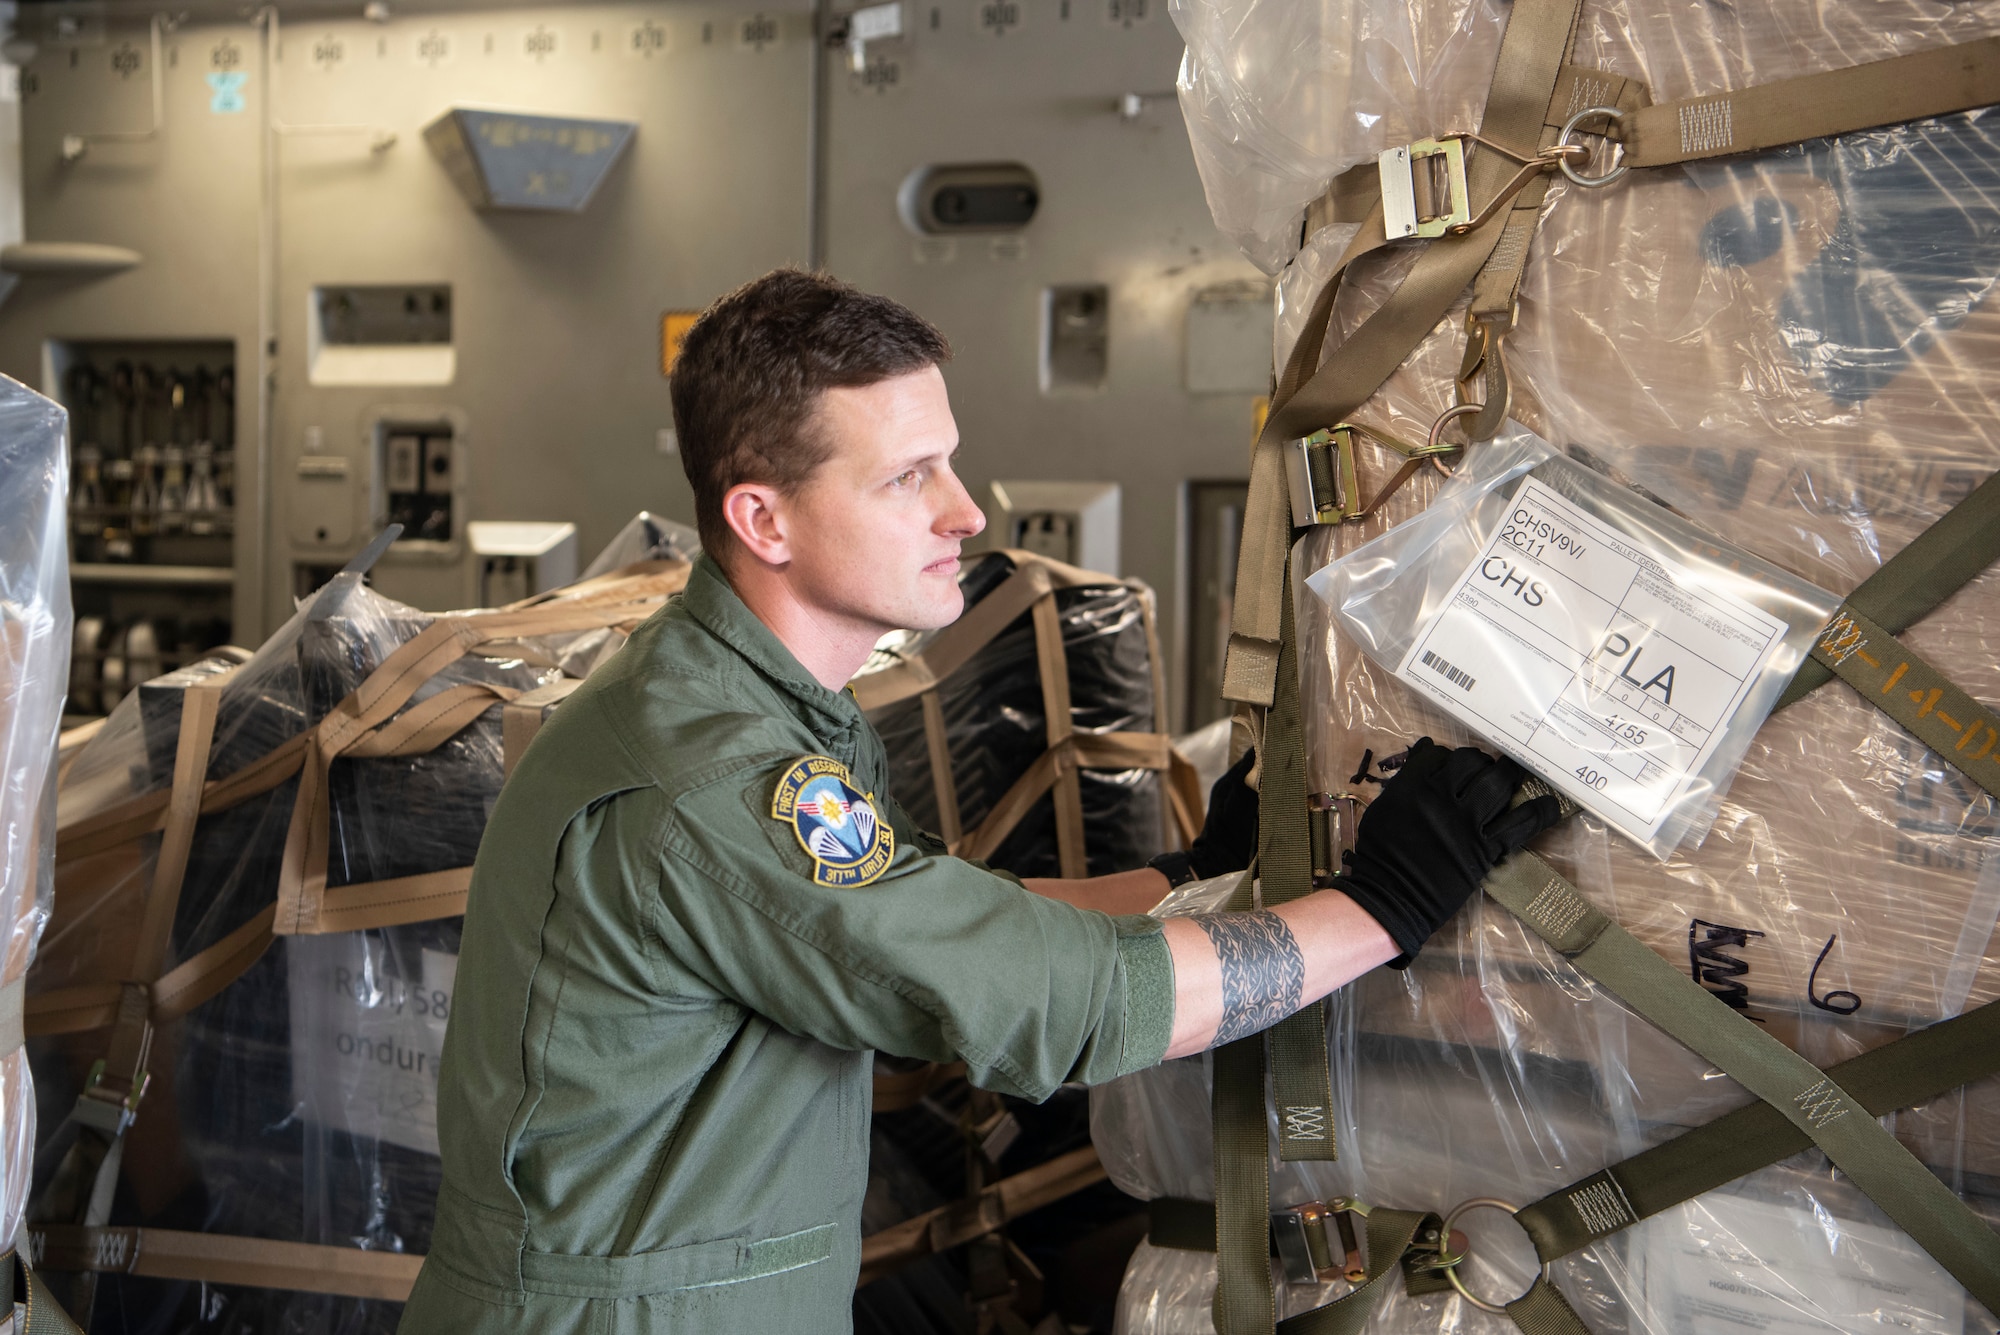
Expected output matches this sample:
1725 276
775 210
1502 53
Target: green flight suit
654 1101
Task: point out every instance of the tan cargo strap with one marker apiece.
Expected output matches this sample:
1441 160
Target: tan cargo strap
1807 1097
347 727
521 718
1914 87
81 1188
1078 751
220 1258
1310 396
1030 591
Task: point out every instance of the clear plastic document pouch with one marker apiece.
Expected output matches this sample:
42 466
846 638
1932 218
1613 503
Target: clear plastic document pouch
1619 651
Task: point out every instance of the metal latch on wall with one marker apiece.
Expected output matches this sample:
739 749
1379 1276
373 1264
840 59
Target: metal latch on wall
1306 1254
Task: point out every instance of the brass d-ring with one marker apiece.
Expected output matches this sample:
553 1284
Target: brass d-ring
1434 443
1569 128
1450 1264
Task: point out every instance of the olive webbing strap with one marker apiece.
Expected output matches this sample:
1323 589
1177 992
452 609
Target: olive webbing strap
41 1314
1909 689
1532 53
1807 1097
1937 82
1244 1303
1899 1074
1301 1077
1396 1239
1542 1310
1935 564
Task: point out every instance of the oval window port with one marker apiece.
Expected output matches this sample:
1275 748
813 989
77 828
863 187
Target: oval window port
945 200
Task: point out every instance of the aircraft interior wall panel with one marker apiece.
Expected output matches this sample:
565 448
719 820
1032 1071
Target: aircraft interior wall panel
556 317
1038 82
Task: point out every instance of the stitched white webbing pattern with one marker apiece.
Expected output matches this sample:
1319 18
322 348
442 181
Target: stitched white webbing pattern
1707 126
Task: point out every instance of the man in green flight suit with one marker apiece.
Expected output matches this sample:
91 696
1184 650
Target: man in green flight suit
697 912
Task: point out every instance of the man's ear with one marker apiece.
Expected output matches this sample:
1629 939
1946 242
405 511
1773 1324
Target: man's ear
756 514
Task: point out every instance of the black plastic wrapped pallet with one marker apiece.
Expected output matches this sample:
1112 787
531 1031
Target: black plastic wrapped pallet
292 1105
995 727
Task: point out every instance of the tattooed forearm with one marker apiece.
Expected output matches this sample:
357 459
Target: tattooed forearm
1263 974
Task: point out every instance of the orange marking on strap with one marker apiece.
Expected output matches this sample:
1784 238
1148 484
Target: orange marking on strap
1947 720
1894 677
1868 658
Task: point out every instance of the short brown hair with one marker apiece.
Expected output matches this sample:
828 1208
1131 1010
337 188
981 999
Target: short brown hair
751 369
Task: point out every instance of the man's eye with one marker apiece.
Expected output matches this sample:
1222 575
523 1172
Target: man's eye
905 479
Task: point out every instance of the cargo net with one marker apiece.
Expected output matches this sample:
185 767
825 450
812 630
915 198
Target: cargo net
1796 350
286 1138
1025 734
281 1171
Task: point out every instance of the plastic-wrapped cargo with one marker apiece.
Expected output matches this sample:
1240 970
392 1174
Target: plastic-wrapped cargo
34 668
992 705
1795 349
293 1079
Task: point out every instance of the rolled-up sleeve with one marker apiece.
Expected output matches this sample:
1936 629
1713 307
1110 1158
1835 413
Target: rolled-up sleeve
935 958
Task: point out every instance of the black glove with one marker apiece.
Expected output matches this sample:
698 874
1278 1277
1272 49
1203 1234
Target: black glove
1228 838
1429 838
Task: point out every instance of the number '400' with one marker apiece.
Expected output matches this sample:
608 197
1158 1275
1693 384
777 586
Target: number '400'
1592 777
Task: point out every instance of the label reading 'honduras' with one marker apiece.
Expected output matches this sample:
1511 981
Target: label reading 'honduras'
839 828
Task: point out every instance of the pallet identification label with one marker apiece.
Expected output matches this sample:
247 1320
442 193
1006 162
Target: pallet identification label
1609 668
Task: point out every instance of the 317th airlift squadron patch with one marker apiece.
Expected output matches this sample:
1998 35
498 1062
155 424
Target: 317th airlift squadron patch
839 828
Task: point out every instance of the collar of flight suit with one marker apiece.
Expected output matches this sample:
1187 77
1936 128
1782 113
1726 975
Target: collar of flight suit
833 716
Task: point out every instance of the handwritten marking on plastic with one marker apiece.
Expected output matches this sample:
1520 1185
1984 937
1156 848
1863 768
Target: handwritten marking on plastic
1602 1207
1829 1002
1556 908
1715 971
1707 126
1305 1121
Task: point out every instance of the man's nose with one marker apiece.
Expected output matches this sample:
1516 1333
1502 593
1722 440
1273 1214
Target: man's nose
960 517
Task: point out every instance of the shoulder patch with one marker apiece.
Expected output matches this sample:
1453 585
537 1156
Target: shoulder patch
839 828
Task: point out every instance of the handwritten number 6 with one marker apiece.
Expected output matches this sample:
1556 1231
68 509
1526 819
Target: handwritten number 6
1840 1003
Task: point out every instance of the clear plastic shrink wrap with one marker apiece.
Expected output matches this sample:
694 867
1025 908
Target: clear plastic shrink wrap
34 667
995 726
1795 349
299 1102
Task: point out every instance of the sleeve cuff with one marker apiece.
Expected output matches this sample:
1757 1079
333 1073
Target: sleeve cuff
1149 997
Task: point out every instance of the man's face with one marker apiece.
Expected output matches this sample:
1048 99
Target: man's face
875 531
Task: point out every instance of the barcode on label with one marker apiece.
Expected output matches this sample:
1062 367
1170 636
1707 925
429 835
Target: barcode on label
1462 680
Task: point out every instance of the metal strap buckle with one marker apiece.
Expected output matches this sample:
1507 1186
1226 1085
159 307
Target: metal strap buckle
1445 203
1306 1254
1432 200
1324 482
1319 470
